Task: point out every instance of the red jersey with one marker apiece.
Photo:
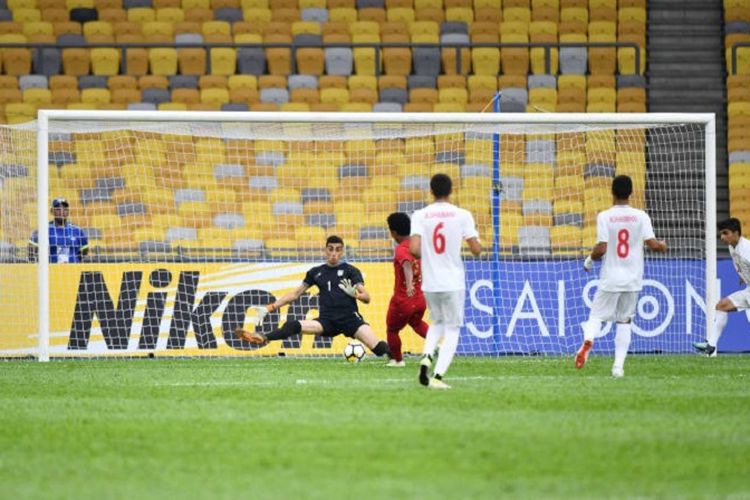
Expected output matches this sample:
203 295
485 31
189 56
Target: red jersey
401 255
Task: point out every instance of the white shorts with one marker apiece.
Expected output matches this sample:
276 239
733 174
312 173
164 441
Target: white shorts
741 299
614 306
446 308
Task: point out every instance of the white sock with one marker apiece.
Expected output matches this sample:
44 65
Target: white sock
622 342
720 321
434 334
447 350
591 329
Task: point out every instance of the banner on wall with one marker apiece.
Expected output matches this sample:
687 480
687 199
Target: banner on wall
192 309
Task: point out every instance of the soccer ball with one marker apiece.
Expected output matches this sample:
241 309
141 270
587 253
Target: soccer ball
354 352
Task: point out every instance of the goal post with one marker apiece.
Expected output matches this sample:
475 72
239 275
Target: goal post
194 217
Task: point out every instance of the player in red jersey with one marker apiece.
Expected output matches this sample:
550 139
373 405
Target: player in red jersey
407 305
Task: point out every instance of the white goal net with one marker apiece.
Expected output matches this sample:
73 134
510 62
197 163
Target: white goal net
193 218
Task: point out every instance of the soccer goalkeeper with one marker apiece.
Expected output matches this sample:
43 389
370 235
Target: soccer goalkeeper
341 286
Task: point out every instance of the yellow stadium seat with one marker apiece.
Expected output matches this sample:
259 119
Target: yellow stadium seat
517 14
170 15
163 61
105 61
196 4
38 28
76 62
214 96
37 97
95 96
19 112
485 61
141 15
158 31
27 15
223 61
21 4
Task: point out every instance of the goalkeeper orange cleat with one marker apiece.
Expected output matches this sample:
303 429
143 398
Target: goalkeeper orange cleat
254 338
583 353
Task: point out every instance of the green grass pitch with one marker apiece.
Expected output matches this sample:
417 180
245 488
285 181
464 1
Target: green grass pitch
310 428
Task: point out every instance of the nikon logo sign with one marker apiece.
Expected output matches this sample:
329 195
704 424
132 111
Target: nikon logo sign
115 311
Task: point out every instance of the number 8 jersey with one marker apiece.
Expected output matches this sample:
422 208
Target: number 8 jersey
443 228
623 229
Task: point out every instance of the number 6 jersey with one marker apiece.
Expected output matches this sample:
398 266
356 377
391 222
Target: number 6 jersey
443 228
623 229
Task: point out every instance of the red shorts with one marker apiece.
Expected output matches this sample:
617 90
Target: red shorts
405 311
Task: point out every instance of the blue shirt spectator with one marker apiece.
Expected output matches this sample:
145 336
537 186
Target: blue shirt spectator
67 242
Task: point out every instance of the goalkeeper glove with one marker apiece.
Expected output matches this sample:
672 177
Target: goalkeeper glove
263 312
588 263
348 288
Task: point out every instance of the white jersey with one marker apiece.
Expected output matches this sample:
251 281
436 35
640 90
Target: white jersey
443 228
741 258
623 229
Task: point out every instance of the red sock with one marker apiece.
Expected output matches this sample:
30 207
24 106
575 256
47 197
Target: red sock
394 343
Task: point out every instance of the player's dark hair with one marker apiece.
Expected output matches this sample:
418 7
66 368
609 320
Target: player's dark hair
441 185
622 187
732 224
333 239
400 223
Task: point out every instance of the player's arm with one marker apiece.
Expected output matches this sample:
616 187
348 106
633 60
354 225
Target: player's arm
415 245
599 250
656 245
474 246
288 297
408 268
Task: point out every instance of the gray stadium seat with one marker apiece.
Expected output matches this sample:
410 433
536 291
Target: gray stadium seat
182 195
60 158
227 14
415 182
228 170
315 194
476 170
245 246
110 183
426 61
739 157
410 207
352 170
568 219
274 95
421 81
540 151
273 158
95 195
181 233
47 61
288 208
92 82
188 38
511 188
322 220
373 233
375 4
6 15
32 82
534 241
83 15
13 170
314 14
454 38
400 96
302 82
124 209
183 82
131 4
311 39
573 60
251 60
339 61
387 107
235 106
537 207
514 100
599 170
155 96
267 182
229 220
450 157
142 106
156 247
71 39
626 81
544 81
447 27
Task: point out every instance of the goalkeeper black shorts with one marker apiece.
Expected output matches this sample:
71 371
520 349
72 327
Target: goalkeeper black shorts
347 324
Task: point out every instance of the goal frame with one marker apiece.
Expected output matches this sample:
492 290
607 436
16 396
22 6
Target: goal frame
707 120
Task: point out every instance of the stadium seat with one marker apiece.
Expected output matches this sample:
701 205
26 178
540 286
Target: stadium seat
105 61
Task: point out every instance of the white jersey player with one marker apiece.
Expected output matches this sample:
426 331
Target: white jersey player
730 232
437 235
621 232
